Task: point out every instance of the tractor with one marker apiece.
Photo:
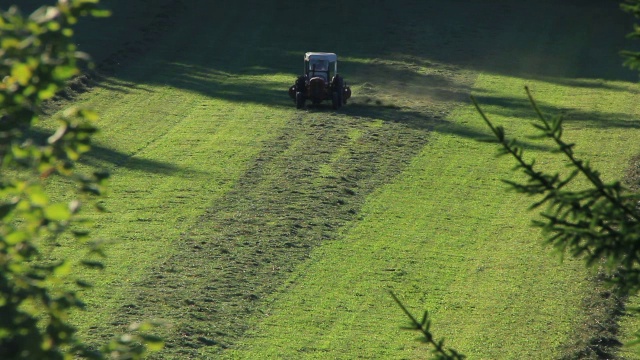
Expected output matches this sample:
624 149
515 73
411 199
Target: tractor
319 82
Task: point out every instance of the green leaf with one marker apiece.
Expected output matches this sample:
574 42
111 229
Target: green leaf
72 153
153 342
89 114
57 212
9 42
22 73
53 26
63 269
48 92
16 237
5 209
64 72
37 196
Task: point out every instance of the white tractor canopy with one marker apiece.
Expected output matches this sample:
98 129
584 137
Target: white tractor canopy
330 57
320 61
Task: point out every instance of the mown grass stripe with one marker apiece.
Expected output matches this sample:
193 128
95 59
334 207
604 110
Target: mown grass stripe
446 237
243 247
166 170
209 113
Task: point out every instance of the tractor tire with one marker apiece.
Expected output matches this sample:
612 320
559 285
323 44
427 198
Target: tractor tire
336 101
338 88
299 100
337 81
300 83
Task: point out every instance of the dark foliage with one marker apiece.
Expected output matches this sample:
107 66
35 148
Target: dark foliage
37 59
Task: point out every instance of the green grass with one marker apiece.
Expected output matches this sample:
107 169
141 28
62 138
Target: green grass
260 231
630 325
446 237
206 153
165 148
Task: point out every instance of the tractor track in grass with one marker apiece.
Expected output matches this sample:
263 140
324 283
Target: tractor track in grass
301 191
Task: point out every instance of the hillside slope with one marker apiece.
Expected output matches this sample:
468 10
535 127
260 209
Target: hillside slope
226 201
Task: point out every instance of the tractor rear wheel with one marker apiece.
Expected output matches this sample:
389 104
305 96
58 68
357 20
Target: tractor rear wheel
299 100
336 101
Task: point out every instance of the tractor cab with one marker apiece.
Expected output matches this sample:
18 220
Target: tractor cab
320 64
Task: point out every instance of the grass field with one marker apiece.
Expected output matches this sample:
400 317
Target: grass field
260 231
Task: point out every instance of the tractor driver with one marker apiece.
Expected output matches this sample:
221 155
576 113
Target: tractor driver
322 65
319 66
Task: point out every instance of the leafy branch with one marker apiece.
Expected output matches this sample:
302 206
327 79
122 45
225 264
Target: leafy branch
37 58
632 57
424 327
598 223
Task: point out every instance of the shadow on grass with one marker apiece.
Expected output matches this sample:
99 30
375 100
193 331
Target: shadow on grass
99 156
424 121
520 108
425 52
555 41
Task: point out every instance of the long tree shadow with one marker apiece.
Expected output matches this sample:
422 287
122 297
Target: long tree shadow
425 52
101 156
439 92
428 122
520 108
426 59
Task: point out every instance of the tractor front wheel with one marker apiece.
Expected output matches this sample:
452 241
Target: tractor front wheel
299 100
